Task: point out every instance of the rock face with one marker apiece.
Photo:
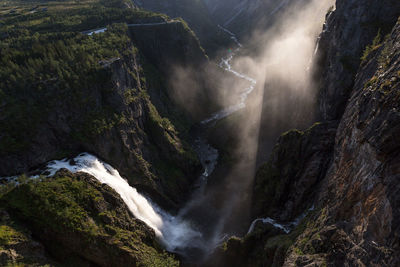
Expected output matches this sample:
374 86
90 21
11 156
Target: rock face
116 119
79 222
17 245
287 185
196 14
243 16
360 190
347 31
175 37
348 165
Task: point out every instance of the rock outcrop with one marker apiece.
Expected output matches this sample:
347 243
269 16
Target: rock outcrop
359 195
244 16
347 31
195 13
17 244
346 166
126 117
78 221
288 183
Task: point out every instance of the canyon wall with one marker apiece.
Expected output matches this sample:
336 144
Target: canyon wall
339 178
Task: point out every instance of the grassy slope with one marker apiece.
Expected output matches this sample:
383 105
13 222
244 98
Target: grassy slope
74 215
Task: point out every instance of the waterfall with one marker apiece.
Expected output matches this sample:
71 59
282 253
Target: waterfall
174 232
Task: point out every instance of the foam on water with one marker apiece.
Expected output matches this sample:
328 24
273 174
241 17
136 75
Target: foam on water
174 232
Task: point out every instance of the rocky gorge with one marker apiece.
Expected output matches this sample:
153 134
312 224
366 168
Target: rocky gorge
326 196
340 167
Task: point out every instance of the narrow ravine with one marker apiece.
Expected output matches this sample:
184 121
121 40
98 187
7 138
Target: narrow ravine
225 64
199 209
190 233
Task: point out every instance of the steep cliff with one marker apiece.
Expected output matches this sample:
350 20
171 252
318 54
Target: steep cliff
195 13
347 31
359 196
288 183
244 16
72 92
340 177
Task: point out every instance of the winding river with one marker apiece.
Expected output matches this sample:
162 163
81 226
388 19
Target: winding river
189 233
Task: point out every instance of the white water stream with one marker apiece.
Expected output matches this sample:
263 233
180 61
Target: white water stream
175 232
172 231
286 227
226 65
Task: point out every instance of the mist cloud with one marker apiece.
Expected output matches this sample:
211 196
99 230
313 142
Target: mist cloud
279 58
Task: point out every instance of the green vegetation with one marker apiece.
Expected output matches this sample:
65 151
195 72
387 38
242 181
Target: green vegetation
284 241
371 82
274 177
71 16
266 246
384 56
307 233
16 244
4 189
384 85
55 203
54 77
38 72
376 44
9 236
46 61
76 206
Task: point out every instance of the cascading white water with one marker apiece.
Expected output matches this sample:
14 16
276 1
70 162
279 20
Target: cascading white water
226 65
287 227
271 221
174 232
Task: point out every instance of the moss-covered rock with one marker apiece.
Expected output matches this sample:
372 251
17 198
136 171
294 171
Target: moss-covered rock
64 92
76 217
17 248
266 245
